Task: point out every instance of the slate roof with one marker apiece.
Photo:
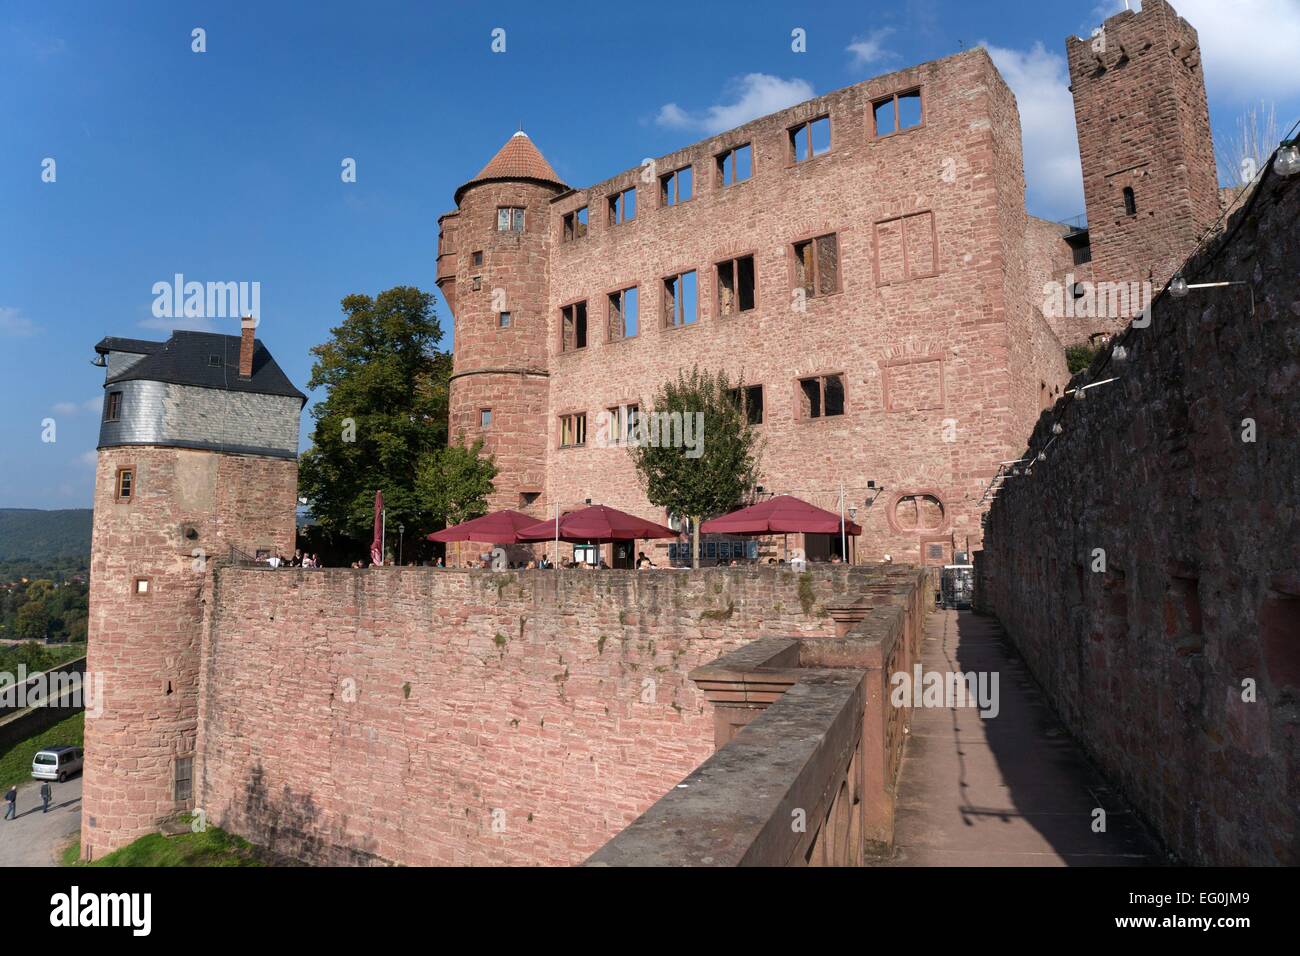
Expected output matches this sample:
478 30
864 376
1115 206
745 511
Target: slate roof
187 359
517 159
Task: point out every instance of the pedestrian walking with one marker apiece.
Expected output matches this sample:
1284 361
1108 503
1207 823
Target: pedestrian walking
47 793
12 799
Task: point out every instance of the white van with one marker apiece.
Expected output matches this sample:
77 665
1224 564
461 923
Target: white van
57 763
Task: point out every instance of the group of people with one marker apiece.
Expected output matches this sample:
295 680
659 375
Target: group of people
299 560
11 799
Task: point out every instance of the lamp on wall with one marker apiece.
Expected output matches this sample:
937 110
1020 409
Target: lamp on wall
1287 161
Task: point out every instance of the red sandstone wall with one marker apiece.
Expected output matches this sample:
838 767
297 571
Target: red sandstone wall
1146 659
384 715
937 347
146 647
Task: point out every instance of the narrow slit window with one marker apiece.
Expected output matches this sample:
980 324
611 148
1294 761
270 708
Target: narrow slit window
817 265
484 417
575 224
1130 202
623 314
573 319
675 187
680 301
622 207
184 779
736 286
810 139
736 165
124 484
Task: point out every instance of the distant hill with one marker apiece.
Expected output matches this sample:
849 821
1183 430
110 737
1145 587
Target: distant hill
27 534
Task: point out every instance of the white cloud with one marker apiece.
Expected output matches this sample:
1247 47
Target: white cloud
88 459
12 323
1040 79
1249 47
90 405
753 95
870 49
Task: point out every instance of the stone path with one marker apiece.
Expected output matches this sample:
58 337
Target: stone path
1013 790
34 838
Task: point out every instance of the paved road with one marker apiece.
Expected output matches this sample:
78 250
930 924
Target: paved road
1014 790
34 838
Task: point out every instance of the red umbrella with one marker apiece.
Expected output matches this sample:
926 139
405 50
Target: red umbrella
595 524
783 514
499 527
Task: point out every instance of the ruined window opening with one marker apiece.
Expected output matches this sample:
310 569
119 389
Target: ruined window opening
676 187
184 789
1082 254
477 283
573 430
893 114
528 498
484 417
918 513
623 313
214 361
735 165
810 139
622 207
1130 202
575 224
478 258
749 399
736 285
574 326
817 265
822 396
680 303
510 219
124 484
623 423
113 406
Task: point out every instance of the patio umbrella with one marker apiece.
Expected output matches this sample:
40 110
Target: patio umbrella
499 527
596 524
783 514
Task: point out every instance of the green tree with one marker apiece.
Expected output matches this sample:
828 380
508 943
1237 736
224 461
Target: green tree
33 621
385 411
710 475
454 482
1079 357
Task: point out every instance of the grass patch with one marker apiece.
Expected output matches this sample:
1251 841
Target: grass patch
213 847
16 763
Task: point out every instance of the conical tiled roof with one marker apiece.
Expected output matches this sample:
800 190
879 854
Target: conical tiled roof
517 159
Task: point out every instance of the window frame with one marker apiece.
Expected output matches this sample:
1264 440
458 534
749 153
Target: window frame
508 316
484 419
675 176
1129 198
892 98
719 164
665 321
586 308
569 225
742 392
734 260
902 218
523 223
117 484
113 409
560 421
820 378
619 415
617 204
793 258
792 157
188 761
136 581
609 313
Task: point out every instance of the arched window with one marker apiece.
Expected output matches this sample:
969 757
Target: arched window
1130 202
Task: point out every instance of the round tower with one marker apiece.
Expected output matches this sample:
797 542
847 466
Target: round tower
493 269
198 464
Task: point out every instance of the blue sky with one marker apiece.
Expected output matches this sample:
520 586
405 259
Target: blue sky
225 165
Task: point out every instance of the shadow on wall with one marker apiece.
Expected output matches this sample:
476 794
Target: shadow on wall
287 825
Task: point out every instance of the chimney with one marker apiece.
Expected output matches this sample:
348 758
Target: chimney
247 328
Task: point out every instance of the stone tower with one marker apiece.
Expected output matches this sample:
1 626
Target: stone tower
493 269
197 464
1149 178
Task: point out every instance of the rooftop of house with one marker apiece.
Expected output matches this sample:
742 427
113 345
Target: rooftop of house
201 359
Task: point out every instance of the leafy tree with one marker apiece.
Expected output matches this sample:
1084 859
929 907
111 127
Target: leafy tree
33 621
454 482
1079 357
386 409
724 472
